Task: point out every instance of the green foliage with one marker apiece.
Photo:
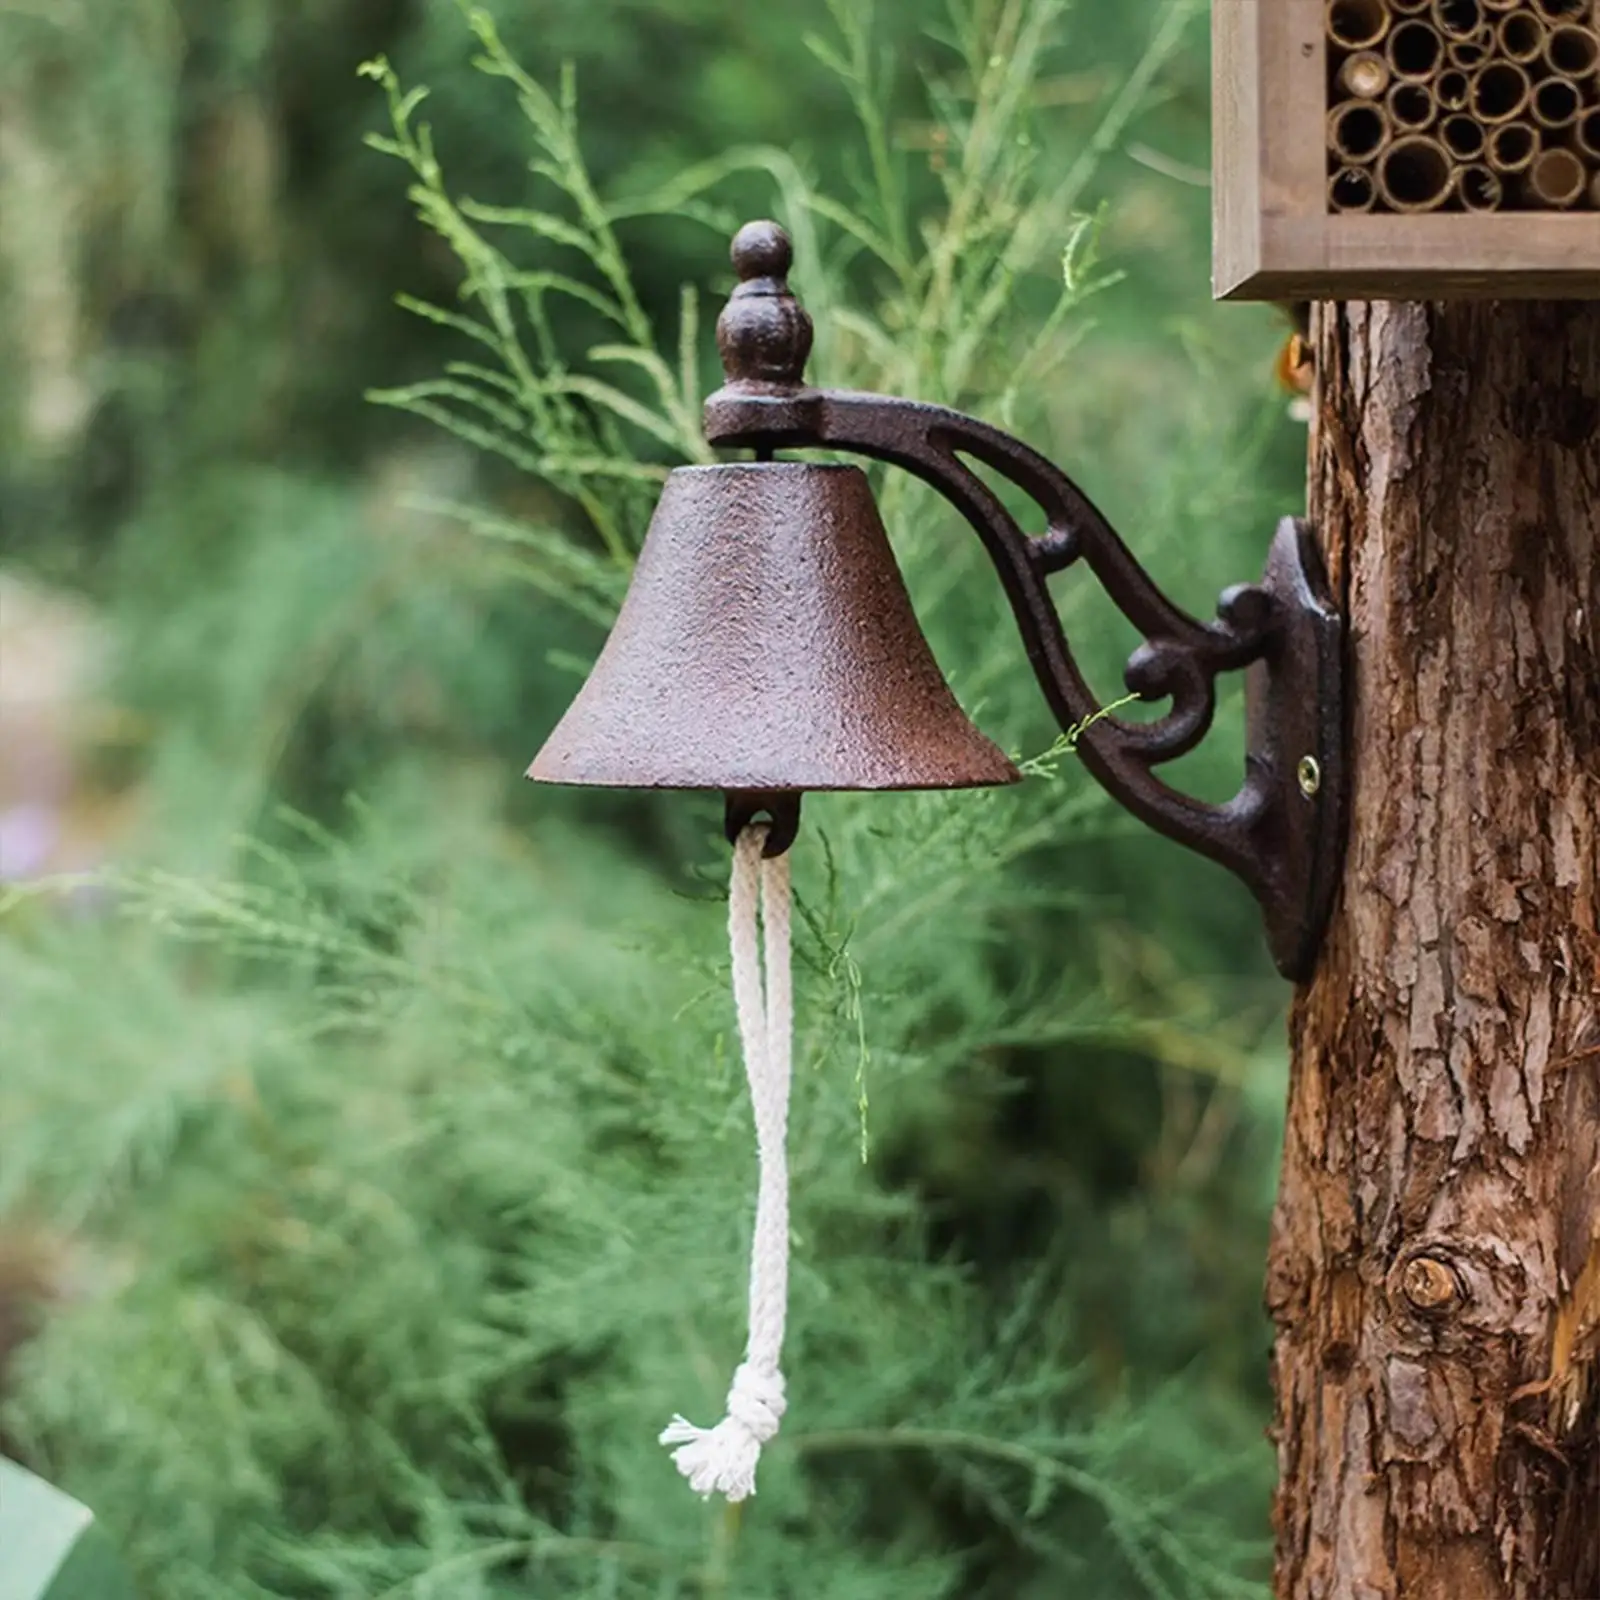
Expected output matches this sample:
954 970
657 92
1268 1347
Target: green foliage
403 1150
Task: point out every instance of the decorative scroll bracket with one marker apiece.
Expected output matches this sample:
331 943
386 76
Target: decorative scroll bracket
1282 833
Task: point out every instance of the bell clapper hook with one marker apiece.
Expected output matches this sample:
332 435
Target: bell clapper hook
781 807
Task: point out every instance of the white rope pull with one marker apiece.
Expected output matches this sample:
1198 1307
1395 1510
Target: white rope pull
722 1460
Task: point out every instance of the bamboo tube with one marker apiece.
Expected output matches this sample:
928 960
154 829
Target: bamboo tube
1357 131
1415 50
1557 179
1457 19
1452 90
1557 103
1523 36
1562 10
1410 8
1513 147
1357 24
1500 91
1412 107
1572 52
1589 134
1352 189
1594 191
1501 5
1463 137
1470 53
1480 187
1365 75
1415 174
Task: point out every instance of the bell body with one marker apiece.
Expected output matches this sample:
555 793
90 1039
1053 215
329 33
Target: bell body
767 643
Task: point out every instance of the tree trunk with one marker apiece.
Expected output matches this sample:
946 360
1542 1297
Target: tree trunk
1435 1270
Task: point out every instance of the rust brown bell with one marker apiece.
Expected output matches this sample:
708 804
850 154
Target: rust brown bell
767 644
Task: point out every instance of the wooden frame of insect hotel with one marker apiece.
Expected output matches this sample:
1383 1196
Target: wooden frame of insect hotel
1406 149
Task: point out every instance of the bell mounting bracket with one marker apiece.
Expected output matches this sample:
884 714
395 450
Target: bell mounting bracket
1282 832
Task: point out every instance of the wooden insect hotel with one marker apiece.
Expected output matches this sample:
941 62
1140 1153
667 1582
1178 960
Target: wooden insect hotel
1406 149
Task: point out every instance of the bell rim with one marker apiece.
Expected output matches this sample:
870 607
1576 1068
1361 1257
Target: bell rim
1009 780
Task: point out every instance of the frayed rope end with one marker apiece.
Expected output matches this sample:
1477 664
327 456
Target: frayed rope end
722 1460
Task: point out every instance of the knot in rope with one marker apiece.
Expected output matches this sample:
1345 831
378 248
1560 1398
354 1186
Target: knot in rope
722 1460
756 1402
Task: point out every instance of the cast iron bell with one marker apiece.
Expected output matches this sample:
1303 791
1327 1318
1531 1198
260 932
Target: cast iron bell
766 646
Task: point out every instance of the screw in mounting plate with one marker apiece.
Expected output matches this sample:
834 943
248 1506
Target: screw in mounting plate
1309 775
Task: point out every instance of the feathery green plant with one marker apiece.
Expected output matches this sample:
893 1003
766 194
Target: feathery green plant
407 1160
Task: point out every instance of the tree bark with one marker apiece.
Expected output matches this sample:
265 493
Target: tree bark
1435 1268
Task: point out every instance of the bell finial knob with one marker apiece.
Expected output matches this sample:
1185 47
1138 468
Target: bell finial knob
764 333
761 250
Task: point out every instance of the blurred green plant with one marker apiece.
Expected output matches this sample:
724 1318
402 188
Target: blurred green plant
401 1151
